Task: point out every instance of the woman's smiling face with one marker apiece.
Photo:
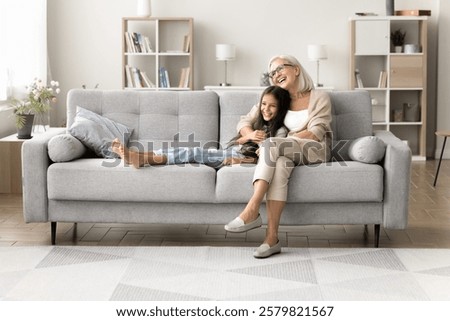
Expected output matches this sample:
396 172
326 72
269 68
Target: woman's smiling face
269 107
283 74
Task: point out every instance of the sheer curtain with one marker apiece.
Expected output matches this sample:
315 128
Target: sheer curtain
23 45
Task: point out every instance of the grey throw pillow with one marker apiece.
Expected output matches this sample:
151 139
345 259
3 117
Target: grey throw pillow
367 149
65 148
97 132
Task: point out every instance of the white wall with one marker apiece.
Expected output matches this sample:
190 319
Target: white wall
85 39
443 101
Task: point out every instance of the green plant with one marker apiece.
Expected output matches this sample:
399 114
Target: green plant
38 100
398 37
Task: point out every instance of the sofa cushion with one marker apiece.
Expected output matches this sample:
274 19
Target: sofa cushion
110 180
368 149
310 184
97 132
64 148
324 183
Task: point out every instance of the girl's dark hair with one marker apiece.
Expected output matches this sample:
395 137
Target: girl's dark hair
271 127
283 103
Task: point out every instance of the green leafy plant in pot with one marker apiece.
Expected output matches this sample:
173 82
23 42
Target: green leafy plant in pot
398 39
39 98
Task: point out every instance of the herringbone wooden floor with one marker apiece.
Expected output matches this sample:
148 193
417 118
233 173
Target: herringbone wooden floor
429 225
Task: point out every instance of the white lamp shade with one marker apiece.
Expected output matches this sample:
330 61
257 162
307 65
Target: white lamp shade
225 52
317 52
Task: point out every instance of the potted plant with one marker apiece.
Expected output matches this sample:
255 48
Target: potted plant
398 39
39 97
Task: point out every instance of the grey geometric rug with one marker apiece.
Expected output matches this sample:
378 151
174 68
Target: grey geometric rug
75 273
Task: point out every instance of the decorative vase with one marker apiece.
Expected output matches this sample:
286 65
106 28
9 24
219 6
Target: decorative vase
25 131
398 49
390 7
144 8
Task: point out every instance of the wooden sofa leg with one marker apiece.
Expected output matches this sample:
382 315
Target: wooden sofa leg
53 231
377 234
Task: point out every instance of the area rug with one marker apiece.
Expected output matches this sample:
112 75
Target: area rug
75 273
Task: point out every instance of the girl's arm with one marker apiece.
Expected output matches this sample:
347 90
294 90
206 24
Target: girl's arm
245 129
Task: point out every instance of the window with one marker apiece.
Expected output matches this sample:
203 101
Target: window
23 45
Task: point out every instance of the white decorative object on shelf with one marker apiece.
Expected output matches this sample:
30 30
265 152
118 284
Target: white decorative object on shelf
225 52
317 53
144 8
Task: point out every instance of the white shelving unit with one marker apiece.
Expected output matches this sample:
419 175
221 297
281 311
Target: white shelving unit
170 46
399 102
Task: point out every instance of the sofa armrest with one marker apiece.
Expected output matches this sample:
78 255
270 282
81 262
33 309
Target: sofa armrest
397 177
35 162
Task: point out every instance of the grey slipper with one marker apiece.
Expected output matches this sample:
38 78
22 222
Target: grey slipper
238 226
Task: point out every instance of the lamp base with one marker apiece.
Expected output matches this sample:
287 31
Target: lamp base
224 84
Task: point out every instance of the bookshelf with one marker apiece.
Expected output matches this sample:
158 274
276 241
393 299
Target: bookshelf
397 82
157 53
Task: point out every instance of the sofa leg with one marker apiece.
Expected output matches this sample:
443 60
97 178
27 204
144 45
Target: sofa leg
53 231
377 234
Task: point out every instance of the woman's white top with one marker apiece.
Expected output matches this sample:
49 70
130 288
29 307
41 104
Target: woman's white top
295 120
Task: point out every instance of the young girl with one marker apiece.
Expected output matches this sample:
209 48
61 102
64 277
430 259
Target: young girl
273 106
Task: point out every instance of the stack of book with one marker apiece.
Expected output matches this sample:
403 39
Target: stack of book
164 80
137 78
137 43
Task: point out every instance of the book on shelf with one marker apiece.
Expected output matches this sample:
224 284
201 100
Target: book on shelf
148 83
187 43
129 43
184 78
137 81
129 77
164 81
382 81
359 82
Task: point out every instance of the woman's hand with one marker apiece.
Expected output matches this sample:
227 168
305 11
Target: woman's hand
256 136
305 134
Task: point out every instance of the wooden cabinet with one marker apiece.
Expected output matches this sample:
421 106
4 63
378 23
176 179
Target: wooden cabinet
397 82
157 53
11 165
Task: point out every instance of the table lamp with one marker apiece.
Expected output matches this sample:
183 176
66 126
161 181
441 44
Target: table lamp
317 53
225 52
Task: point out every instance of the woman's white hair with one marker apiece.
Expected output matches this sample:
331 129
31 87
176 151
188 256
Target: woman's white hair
306 83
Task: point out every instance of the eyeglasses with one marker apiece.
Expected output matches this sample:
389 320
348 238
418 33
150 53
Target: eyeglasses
279 69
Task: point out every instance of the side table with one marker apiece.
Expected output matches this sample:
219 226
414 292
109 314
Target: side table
444 134
11 162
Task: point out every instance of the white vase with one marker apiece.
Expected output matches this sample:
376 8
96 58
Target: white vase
144 8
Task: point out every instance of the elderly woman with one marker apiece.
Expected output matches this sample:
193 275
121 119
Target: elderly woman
308 121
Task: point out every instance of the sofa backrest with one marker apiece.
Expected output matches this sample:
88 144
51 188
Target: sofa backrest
233 105
157 118
351 114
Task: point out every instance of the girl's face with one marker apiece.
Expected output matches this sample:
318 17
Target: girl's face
269 107
284 74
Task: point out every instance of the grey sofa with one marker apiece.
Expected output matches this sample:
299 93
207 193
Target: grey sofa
101 190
